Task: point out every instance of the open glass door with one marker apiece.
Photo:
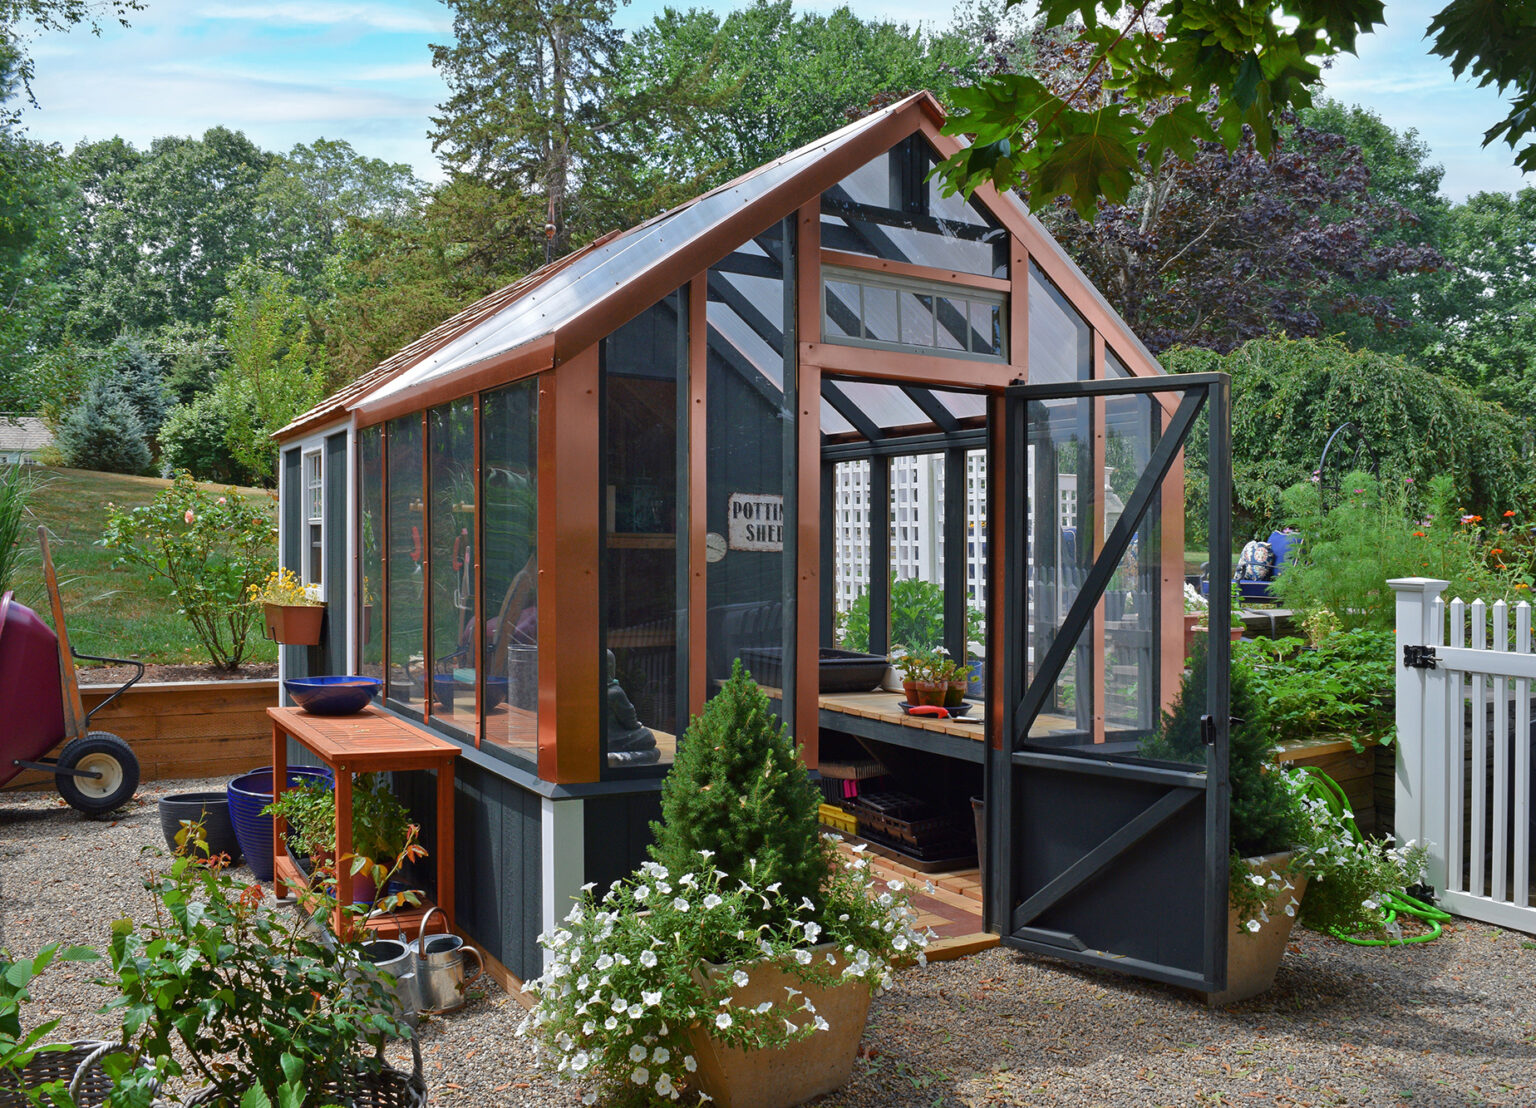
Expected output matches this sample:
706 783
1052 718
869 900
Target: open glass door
1108 794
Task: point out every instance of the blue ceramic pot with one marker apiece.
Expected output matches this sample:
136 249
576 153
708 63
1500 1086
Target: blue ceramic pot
332 696
248 795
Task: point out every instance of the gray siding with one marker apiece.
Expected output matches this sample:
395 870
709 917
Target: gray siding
295 658
333 641
617 831
497 860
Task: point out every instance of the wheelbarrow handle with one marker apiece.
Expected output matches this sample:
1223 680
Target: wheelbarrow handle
136 664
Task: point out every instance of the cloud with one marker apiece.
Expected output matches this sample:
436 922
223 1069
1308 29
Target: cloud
378 17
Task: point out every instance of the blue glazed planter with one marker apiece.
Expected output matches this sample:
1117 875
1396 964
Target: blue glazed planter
248 795
332 696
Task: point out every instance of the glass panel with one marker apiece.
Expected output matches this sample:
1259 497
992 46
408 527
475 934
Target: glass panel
509 450
451 562
745 447
841 307
1060 343
850 553
917 319
1114 368
952 324
880 313
370 475
1061 544
917 552
976 565
405 592
1131 604
645 571
886 405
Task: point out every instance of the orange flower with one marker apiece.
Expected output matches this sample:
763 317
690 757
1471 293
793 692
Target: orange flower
1509 513
1418 534
1522 586
1497 550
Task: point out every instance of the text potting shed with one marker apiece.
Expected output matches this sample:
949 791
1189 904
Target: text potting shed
737 431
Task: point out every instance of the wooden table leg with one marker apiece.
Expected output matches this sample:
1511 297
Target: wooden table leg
445 839
279 825
343 842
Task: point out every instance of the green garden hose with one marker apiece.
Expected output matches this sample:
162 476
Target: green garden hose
1319 786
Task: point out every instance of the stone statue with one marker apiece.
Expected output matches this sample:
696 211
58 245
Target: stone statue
630 742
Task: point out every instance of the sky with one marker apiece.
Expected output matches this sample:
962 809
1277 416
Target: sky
291 71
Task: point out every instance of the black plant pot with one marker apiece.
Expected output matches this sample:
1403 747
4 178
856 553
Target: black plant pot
213 809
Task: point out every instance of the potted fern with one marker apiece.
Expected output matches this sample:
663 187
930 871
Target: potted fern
739 962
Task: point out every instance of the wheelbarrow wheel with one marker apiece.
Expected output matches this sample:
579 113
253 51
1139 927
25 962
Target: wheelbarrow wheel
104 754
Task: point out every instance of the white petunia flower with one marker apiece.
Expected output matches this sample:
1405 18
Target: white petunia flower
723 1020
662 1056
647 958
637 1053
690 1063
712 901
1253 925
641 1075
740 979
650 1000
680 904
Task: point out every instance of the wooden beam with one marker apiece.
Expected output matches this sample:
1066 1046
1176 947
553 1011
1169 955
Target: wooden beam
969 374
917 272
808 485
570 646
698 491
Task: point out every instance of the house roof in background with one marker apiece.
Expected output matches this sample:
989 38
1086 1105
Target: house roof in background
24 433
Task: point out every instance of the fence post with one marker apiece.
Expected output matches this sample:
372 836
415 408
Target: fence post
1420 724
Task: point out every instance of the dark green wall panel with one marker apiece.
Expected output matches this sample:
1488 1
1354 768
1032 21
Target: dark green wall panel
617 831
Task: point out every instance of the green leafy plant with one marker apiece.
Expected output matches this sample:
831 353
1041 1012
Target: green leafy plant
626 975
917 617
16 487
223 986
1374 534
380 823
20 1046
1343 686
310 813
211 548
740 790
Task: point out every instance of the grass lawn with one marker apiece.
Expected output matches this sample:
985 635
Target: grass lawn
112 610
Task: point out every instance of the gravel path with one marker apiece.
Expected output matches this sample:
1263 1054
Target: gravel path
1450 1023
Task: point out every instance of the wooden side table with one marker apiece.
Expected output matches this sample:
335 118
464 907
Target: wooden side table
370 741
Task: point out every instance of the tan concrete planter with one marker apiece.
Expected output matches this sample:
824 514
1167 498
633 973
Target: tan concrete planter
1253 957
798 1071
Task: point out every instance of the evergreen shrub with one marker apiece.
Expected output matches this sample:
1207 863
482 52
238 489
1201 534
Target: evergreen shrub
103 432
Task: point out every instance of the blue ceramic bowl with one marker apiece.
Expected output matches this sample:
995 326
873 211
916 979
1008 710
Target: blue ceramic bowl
332 696
248 795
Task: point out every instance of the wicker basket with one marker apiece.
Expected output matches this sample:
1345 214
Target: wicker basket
79 1065
389 1088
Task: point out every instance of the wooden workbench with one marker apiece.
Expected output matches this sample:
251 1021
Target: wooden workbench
370 741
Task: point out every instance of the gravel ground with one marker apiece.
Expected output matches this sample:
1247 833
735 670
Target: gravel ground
1449 1023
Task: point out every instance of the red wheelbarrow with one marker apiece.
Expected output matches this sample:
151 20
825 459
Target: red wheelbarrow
40 708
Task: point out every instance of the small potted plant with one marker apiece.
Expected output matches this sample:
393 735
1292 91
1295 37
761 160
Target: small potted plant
380 826
1196 612
955 677
291 615
920 677
740 971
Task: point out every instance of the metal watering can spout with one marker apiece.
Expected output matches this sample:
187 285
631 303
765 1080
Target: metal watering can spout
439 961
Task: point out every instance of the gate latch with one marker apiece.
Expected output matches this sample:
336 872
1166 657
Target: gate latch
1419 657
1208 727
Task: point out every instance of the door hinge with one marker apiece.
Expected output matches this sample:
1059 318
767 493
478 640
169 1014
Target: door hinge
1208 727
1419 657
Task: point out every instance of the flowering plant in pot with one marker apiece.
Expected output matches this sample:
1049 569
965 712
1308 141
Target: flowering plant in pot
381 828
762 949
290 614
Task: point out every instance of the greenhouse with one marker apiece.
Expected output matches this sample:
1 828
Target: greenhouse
817 418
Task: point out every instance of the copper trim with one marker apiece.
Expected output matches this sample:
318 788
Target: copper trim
917 272
549 614
888 365
428 647
502 369
477 617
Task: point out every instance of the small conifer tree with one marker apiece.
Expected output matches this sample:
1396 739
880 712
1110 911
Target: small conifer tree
1263 816
740 789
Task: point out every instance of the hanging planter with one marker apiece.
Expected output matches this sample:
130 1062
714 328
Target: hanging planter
293 624
290 614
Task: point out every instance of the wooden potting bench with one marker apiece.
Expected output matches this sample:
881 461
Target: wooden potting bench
371 741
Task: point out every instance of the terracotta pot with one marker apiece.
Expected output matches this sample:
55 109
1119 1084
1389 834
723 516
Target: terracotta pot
1253 957
931 692
797 1071
954 696
909 687
1237 633
293 624
1191 629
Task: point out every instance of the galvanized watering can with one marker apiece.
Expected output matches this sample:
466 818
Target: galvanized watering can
395 958
439 966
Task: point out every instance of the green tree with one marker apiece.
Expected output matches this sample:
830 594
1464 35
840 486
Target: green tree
195 437
1288 396
764 80
533 107
276 370
739 789
104 432
1252 63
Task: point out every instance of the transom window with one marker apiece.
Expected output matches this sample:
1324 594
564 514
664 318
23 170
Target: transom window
901 313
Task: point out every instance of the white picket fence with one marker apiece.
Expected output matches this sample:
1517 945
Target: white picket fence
1464 750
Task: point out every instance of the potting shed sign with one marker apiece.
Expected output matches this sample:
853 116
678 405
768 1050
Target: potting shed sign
755 521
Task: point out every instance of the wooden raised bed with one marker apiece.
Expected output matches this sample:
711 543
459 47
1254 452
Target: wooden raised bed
186 729
1355 771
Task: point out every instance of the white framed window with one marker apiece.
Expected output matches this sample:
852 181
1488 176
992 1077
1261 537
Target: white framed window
314 519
